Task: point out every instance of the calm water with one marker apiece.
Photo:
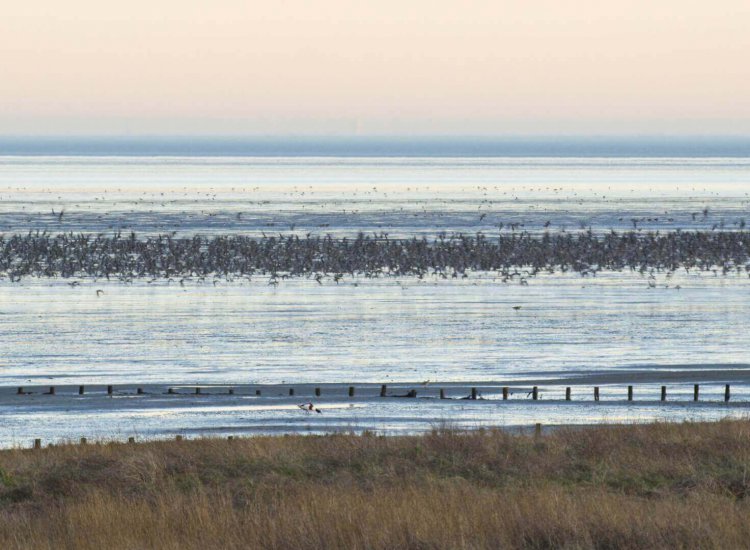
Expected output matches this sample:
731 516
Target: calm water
361 330
345 195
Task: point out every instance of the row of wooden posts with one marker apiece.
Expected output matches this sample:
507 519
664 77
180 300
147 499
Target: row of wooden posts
412 393
84 441
696 393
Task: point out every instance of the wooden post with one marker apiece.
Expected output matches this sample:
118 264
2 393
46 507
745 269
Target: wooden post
696 390
383 390
231 391
317 392
52 390
20 390
351 391
663 393
596 393
131 439
257 392
171 391
139 391
83 441
630 393
442 393
537 429
110 390
505 393
178 438
197 391
726 393
291 391
37 443
230 438
80 390
567 394
535 393
473 393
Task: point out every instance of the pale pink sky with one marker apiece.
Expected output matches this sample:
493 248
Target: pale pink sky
375 67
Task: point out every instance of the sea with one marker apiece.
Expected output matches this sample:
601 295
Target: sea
560 330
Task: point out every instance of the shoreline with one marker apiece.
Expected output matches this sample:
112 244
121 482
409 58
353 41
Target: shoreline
155 414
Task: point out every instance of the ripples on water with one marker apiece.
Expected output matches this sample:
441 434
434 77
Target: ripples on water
365 330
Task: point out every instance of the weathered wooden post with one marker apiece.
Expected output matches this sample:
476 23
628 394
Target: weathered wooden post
383 390
317 392
110 390
630 393
535 393
257 392
178 438
230 391
537 429
139 391
291 392
442 393
726 393
37 443
131 439
567 394
80 390
171 391
83 441
51 390
696 390
663 393
351 391
20 391
473 393
230 438
505 393
596 393
197 391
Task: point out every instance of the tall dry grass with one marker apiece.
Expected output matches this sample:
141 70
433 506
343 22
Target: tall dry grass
655 486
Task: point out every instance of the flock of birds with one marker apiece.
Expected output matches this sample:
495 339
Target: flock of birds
514 257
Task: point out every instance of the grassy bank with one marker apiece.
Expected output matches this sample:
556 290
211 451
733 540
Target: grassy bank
666 486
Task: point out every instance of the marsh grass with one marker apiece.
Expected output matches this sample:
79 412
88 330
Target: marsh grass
657 486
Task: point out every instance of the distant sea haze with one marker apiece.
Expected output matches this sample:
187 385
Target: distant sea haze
470 147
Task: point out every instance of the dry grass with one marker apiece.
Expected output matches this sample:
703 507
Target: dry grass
656 486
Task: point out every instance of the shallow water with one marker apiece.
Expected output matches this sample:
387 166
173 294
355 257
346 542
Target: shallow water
343 196
366 330
154 415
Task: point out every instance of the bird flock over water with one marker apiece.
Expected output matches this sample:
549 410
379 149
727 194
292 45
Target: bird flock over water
513 257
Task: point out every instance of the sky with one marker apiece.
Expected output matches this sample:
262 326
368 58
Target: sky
386 67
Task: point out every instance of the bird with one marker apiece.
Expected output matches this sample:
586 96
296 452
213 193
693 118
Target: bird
309 407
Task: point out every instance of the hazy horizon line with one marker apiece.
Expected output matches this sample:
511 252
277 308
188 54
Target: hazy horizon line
185 145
